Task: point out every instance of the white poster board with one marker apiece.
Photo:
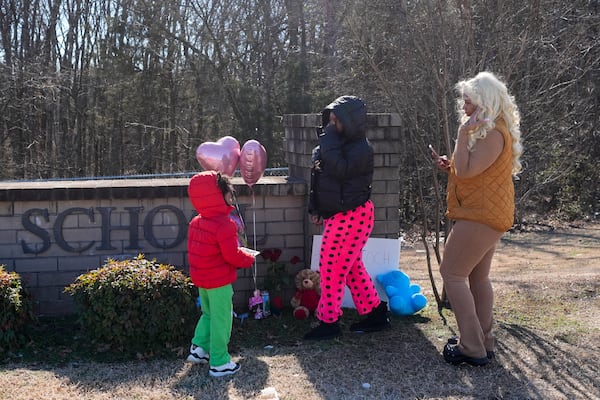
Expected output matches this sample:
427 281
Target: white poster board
379 255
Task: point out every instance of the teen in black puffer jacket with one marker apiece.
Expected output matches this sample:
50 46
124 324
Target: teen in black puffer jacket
343 162
340 200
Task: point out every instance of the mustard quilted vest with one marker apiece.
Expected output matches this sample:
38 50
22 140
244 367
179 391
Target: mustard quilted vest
488 198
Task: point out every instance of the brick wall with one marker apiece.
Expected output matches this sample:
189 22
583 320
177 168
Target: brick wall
53 231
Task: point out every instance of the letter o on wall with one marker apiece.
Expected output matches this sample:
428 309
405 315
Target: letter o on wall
149 224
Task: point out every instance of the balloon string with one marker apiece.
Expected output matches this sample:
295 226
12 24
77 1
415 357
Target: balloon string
254 271
237 207
239 213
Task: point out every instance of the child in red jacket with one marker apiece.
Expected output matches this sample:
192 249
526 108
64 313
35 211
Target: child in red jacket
214 256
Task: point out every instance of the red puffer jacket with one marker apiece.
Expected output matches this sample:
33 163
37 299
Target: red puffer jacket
213 251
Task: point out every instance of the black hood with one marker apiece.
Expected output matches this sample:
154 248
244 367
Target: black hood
352 113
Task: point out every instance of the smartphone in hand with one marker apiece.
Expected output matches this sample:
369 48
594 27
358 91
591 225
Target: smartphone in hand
442 161
434 154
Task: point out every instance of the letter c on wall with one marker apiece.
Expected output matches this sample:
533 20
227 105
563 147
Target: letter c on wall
58 229
181 224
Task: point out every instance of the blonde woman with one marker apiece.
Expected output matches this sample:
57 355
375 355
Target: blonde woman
480 201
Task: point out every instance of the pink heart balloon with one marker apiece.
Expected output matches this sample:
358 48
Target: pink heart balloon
253 161
222 156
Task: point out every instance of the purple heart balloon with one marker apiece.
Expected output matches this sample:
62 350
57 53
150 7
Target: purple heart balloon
222 156
253 161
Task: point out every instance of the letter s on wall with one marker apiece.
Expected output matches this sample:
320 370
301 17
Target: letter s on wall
36 230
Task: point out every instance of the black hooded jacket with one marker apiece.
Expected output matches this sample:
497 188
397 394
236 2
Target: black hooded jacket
342 170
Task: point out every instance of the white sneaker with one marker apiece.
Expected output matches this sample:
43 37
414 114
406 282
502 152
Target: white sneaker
226 369
197 355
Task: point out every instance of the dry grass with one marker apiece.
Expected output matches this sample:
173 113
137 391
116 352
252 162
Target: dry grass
548 313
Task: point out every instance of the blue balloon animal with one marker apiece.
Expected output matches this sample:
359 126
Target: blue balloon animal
404 298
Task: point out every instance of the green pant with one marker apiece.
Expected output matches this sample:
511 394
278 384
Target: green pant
213 330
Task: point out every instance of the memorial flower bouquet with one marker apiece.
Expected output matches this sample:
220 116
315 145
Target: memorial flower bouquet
278 277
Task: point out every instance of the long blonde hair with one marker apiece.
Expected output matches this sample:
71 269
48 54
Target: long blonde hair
490 94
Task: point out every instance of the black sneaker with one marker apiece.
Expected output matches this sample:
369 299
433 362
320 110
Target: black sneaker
324 331
453 355
376 320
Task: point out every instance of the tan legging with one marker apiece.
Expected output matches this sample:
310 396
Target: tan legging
468 255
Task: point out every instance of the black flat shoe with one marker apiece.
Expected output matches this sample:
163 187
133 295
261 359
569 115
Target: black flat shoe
454 341
324 331
453 356
375 321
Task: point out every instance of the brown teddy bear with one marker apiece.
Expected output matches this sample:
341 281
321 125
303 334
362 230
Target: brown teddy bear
308 292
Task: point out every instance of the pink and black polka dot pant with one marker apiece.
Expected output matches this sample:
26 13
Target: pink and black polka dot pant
341 265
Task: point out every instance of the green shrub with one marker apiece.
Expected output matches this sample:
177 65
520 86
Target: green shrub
136 305
16 310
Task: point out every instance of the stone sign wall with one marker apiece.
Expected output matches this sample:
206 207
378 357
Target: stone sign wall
53 231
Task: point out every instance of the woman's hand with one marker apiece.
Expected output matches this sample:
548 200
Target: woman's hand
442 162
472 124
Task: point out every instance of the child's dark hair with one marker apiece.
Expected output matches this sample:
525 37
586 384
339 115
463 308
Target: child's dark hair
223 183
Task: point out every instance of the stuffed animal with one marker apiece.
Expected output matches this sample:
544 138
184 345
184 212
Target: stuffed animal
404 298
308 292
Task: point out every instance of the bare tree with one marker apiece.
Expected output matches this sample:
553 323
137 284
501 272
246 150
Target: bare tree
114 87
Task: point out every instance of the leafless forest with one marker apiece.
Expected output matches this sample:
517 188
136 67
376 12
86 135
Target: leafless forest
120 87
